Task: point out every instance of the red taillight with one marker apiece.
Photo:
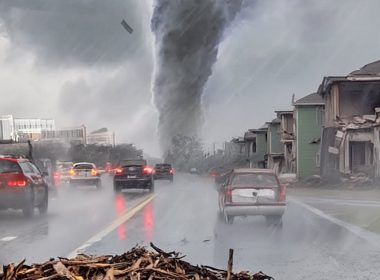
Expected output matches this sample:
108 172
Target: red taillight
56 175
228 195
118 170
171 171
148 170
94 172
17 183
213 174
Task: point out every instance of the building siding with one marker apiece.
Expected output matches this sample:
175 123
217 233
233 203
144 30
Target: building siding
276 146
309 127
261 145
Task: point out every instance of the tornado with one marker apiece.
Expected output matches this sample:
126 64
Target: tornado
187 34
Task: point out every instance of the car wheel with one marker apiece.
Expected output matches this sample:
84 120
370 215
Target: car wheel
221 217
117 189
229 219
43 207
28 209
151 186
274 221
99 185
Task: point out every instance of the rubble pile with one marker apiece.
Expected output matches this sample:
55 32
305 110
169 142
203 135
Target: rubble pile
138 263
363 121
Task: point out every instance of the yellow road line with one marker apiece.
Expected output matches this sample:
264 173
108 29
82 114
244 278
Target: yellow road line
112 226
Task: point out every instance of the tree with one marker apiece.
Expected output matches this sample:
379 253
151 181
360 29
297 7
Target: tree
186 152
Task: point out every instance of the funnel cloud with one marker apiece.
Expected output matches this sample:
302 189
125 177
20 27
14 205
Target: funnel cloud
187 36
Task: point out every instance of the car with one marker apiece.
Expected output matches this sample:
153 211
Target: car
194 170
252 192
62 172
164 171
46 167
85 173
133 174
22 186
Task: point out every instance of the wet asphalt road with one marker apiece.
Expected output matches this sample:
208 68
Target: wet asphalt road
183 217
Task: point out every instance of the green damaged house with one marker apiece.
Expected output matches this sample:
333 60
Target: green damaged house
309 121
275 146
259 147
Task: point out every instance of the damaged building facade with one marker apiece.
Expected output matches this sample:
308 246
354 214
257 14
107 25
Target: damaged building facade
351 137
274 146
288 140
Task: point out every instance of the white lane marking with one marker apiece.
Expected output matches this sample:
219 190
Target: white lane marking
369 236
112 226
8 238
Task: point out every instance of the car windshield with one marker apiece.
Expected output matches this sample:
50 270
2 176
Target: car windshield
198 126
254 179
7 166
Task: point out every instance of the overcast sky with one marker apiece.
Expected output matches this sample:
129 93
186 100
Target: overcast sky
72 61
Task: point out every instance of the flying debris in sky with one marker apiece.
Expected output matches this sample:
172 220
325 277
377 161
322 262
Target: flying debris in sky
127 26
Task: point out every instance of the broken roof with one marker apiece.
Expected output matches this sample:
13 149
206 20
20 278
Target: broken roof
309 100
370 69
274 121
238 140
262 129
249 135
367 73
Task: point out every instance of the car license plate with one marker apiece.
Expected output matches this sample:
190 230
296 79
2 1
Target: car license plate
132 176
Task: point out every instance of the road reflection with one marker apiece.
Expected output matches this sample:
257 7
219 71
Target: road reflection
148 221
120 209
121 204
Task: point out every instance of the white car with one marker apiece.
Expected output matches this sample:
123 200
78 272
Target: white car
252 192
85 173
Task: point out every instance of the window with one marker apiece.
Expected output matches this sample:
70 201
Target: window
7 166
320 116
35 168
253 179
27 167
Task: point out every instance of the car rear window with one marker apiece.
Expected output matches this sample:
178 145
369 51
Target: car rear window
163 165
7 166
83 166
254 179
133 162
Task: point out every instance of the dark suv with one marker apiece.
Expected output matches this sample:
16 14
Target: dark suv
133 174
163 171
22 186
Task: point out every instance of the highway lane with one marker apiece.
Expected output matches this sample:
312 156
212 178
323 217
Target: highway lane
74 214
183 217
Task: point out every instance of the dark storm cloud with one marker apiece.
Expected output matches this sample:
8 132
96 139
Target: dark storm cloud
100 73
74 31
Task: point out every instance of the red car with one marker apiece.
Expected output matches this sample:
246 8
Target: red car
22 186
252 192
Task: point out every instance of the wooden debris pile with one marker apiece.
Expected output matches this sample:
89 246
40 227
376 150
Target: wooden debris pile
138 263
